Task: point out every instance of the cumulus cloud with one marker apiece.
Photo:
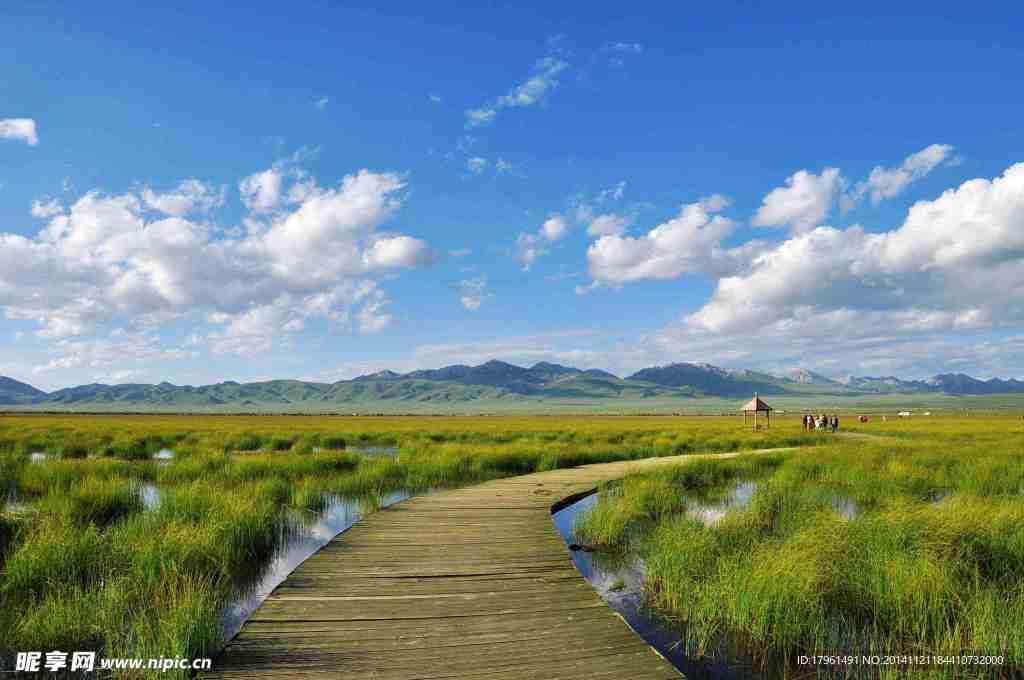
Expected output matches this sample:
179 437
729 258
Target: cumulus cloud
884 183
542 81
19 129
261 191
554 227
531 246
46 208
689 243
107 257
956 262
192 195
472 292
802 203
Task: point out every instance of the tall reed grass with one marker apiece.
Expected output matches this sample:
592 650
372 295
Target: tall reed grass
931 561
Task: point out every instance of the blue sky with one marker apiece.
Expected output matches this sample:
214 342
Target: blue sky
315 191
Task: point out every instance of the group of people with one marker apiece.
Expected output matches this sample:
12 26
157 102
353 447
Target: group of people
822 422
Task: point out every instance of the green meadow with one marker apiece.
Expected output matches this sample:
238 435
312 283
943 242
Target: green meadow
909 541
86 565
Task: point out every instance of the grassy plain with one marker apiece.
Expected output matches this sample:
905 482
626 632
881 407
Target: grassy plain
908 544
85 565
527 406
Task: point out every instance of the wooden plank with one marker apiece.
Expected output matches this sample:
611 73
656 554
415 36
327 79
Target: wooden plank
473 583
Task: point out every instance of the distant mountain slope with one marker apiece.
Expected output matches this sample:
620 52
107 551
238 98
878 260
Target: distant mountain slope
15 392
958 383
711 380
494 380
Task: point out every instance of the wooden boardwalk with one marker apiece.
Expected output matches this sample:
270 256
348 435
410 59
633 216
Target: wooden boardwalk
470 583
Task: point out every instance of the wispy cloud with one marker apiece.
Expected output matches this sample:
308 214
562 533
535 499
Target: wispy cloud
542 81
473 292
884 183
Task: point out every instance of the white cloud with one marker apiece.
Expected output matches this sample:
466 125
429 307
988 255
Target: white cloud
690 243
884 183
435 97
322 103
46 208
956 262
803 203
372 316
107 258
472 292
502 165
459 252
481 116
542 81
255 330
261 191
554 227
606 225
192 195
584 209
107 353
529 246
19 129
397 252
476 165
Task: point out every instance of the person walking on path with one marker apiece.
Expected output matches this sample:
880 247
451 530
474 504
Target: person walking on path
835 422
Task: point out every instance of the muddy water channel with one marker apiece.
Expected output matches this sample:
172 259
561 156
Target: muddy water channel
619 579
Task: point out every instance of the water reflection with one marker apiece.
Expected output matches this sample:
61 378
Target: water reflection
620 582
845 507
709 512
150 496
303 538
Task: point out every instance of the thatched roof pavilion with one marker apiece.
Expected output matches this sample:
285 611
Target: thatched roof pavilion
757 406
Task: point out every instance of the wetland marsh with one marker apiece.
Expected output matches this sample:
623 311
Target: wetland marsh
150 535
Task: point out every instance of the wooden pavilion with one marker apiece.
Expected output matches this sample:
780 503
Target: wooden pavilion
757 406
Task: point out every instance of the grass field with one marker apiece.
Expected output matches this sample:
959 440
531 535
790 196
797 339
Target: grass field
526 406
908 544
85 565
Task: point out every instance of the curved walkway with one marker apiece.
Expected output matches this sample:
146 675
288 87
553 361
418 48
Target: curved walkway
470 583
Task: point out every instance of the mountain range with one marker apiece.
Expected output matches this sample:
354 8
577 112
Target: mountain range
494 380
